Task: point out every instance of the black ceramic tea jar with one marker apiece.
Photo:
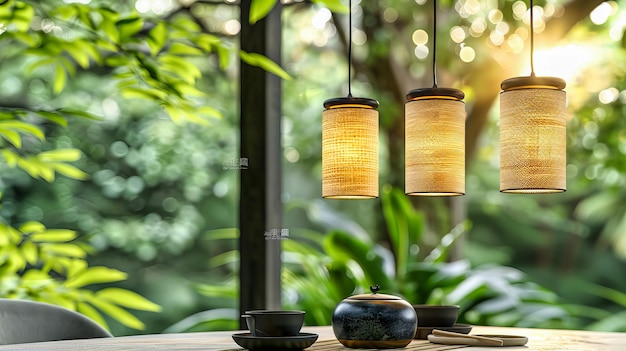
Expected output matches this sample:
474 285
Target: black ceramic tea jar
376 321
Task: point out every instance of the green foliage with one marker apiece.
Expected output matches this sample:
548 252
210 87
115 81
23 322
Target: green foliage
50 265
322 269
615 322
164 73
260 8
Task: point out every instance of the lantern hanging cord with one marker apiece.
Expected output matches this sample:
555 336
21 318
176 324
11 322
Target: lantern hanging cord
434 43
349 48
532 40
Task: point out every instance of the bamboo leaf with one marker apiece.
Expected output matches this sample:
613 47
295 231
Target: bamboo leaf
29 251
334 5
210 112
54 235
184 50
207 41
67 250
53 117
180 67
111 32
29 166
22 127
32 227
128 299
156 38
81 114
95 275
89 49
118 314
260 9
59 80
45 171
22 16
78 54
129 26
92 313
27 38
13 137
70 171
143 93
60 155
221 234
265 63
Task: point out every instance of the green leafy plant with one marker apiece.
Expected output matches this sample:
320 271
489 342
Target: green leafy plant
50 265
322 269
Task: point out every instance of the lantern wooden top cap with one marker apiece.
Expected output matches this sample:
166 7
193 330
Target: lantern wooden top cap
350 102
425 93
532 82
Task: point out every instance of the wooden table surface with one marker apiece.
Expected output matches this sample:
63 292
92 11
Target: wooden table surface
539 340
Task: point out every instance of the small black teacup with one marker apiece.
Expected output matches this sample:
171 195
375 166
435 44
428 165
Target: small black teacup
274 322
436 315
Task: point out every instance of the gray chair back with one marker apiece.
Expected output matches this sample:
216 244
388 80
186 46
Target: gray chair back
24 321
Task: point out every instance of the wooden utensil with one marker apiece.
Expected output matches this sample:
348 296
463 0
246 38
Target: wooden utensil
486 341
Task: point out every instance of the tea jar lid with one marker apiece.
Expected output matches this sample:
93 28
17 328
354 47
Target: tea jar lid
374 295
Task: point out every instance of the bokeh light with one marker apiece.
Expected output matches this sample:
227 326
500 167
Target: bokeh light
519 10
471 7
502 28
495 16
478 27
496 38
421 52
291 154
420 37
158 7
390 15
359 37
320 18
232 27
608 96
467 54
601 13
516 43
457 34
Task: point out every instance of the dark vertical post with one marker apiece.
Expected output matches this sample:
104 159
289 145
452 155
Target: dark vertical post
260 207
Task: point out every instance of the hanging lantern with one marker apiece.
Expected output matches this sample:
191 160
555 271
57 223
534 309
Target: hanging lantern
532 135
532 132
435 142
350 143
350 148
434 138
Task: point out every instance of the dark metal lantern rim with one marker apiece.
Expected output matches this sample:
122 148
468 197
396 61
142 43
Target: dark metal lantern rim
532 81
337 102
421 93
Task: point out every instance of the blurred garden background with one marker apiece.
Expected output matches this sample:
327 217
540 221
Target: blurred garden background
119 124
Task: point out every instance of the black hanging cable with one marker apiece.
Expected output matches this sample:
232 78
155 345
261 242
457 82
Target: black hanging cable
532 40
434 43
349 48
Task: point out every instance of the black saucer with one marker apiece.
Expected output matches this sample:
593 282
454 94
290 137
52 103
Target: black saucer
423 332
298 342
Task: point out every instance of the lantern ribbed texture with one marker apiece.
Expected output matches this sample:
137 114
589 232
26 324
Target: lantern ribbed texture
435 147
350 152
532 140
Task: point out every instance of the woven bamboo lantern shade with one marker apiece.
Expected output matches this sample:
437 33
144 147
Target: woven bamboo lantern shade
350 148
435 142
532 131
532 135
